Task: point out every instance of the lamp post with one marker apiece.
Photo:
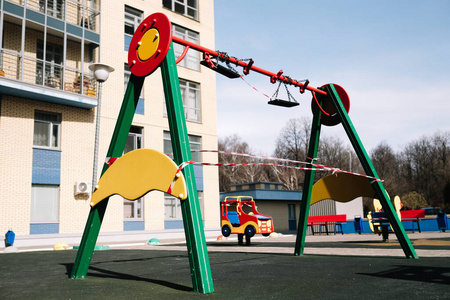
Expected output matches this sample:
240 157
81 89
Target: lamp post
101 74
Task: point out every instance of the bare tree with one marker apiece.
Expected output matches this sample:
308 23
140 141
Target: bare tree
425 167
386 164
229 175
293 142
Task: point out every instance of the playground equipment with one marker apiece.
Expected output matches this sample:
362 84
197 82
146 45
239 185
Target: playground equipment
150 48
139 172
240 215
378 222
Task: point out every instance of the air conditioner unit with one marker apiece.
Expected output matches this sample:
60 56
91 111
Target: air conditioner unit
82 187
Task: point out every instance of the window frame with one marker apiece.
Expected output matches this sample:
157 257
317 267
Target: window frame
173 4
34 217
192 59
51 66
135 18
196 156
136 134
186 88
51 128
56 10
195 143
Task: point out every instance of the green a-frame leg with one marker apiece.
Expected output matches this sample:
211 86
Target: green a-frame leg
378 187
190 208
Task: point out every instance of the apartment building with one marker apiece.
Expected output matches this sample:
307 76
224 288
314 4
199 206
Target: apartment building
48 107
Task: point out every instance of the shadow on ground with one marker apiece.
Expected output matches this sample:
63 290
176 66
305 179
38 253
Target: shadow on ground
157 274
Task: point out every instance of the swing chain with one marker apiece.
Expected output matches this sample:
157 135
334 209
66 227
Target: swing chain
290 97
275 95
224 57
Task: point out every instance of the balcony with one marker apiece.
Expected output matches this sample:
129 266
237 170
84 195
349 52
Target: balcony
34 78
71 11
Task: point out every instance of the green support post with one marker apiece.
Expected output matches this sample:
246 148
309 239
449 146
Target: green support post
193 226
116 147
308 183
378 187
190 208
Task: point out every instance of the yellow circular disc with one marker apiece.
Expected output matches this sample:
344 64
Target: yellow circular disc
148 44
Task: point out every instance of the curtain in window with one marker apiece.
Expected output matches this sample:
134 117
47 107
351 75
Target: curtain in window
41 137
44 203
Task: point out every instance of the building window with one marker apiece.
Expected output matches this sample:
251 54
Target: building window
192 59
55 8
172 205
172 208
47 130
195 143
45 203
132 210
190 92
188 8
133 18
52 72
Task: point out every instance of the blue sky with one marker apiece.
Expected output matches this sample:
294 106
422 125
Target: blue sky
392 58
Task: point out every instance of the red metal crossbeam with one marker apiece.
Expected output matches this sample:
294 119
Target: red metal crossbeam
249 66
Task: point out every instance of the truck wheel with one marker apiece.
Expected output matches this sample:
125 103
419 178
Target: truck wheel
226 231
266 234
250 231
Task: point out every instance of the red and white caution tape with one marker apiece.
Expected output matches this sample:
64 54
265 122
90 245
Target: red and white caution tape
314 166
242 77
177 175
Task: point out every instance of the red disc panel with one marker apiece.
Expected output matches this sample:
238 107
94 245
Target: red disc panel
328 107
150 44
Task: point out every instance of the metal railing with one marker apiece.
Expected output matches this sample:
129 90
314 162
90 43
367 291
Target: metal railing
71 11
43 73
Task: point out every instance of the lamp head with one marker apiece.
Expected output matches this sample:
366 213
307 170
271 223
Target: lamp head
101 71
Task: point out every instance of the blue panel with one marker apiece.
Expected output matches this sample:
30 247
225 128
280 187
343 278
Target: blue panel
13 8
140 107
46 167
35 16
44 228
92 36
198 171
173 224
133 225
127 42
55 23
75 30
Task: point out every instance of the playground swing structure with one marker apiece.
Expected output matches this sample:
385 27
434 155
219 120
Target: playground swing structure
152 47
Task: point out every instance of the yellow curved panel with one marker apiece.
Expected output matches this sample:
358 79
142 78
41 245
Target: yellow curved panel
342 187
137 173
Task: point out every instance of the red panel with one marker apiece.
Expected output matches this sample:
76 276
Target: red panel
161 23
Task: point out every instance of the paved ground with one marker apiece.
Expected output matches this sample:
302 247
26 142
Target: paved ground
333 267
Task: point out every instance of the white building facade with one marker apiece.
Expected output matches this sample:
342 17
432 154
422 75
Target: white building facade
48 101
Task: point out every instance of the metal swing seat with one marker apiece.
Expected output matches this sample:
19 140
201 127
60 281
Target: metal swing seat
291 102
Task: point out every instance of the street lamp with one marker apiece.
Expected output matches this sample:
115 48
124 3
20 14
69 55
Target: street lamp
101 74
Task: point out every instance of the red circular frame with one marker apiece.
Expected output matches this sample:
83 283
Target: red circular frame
160 22
327 105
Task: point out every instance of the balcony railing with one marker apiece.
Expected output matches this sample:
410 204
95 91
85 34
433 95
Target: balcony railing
52 75
71 11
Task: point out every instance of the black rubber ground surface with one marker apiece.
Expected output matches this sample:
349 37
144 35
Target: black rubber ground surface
155 274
